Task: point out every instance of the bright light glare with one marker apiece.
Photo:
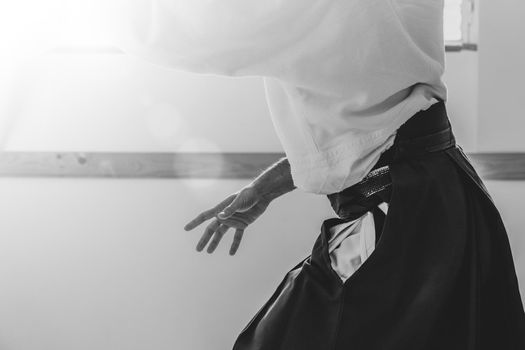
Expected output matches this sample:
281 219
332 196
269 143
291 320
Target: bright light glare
84 25
31 26
28 27
199 144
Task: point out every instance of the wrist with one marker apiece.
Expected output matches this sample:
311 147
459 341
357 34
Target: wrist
275 181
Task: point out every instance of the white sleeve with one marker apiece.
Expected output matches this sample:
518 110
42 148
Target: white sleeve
226 37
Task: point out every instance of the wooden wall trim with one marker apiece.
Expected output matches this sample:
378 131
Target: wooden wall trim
499 166
491 166
135 165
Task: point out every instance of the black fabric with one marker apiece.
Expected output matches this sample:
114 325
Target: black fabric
441 277
356 200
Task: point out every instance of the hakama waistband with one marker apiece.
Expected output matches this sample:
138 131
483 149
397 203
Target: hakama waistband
426 132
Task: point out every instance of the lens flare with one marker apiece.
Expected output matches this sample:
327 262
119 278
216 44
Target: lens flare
209 172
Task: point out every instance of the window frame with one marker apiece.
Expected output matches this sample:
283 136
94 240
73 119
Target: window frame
469 28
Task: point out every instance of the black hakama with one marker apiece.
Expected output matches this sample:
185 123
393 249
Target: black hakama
441 276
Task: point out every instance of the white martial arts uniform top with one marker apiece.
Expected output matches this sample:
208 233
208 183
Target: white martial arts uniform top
341 76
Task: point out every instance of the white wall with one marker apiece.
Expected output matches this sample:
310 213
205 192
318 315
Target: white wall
106 265
501 92
118 103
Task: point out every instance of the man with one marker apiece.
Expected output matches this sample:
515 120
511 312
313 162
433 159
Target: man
357 100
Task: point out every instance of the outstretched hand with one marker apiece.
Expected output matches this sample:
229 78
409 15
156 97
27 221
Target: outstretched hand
237 211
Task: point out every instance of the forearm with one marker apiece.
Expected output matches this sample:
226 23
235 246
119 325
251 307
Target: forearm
275 181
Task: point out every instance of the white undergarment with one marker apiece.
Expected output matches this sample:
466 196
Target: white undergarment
351 243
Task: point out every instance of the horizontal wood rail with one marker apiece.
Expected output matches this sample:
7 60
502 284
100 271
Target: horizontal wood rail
490 166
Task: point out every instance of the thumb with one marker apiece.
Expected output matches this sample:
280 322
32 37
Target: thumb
234 206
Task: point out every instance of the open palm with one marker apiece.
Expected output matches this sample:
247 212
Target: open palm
237 211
